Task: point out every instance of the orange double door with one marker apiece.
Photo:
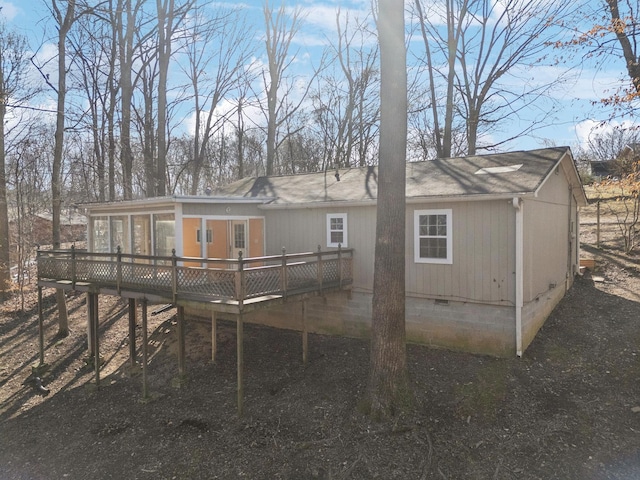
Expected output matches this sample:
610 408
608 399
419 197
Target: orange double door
221 238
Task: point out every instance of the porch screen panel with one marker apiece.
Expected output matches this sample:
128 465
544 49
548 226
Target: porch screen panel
164 229
120 233
141 234
99 234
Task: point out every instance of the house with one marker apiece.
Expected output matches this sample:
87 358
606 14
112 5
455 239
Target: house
492 242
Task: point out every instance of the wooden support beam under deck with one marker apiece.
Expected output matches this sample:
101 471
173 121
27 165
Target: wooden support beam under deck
132 331
181 346
94 322
305 334
40 326
214 336
240 353
145 389
90 324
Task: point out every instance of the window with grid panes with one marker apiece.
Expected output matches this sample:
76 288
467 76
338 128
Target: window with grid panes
433 236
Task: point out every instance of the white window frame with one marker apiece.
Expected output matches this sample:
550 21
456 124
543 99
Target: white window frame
343 216
416 236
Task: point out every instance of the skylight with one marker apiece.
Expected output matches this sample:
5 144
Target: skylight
501 169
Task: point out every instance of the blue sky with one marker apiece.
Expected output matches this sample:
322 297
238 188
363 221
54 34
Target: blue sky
570 125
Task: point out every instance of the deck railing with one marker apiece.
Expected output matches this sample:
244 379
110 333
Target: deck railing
202 279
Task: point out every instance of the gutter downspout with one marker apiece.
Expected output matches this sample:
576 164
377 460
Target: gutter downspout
518 206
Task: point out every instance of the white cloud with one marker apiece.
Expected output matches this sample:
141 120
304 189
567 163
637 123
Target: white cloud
588 129
9 11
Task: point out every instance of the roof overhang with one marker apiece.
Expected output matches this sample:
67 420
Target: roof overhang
173 200
409 201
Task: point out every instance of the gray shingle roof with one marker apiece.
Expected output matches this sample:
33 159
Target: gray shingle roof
498 174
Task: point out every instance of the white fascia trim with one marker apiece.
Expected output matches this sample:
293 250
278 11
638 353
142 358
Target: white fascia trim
170 201
408 201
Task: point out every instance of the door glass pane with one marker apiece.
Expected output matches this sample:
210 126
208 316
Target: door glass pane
238 235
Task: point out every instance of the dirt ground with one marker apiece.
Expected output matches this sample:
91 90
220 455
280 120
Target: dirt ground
569 409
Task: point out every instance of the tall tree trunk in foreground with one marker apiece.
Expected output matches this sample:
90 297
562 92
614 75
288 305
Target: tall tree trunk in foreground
388 383
64 20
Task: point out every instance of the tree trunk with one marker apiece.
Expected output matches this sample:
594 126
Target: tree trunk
388 384
5 266
125 34
165 31
628 50
64 23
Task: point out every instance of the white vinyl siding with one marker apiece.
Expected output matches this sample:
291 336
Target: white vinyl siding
433 236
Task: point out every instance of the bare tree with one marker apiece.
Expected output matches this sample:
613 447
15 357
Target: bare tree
218 52
14 91
170 18
388 379
64 20
126 25
91 43
346 103
282 100
486 49
613 37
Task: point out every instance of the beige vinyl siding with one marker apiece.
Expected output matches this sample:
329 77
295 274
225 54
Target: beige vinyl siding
546 238
483 255
302 230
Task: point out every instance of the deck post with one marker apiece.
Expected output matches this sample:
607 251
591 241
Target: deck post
320 270
174 275
181 357
240 367
214 336
283 274
118 269
73 266
145 389
40 326
305 334
92 309
340 265
598 224
90 325
239 281
132 331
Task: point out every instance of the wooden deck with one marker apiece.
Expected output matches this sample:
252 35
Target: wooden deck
225 285
234 286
